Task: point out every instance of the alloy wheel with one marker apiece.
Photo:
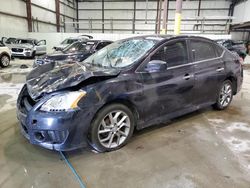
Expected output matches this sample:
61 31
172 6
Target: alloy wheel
114 129
5 61
225 95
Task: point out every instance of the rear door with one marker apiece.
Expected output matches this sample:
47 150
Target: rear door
209 70
171 90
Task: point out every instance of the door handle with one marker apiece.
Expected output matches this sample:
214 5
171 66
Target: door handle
220 69
186 77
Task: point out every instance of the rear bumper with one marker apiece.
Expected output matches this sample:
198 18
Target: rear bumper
240 80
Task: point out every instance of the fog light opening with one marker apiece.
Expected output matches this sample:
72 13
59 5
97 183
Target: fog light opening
34 121
39 136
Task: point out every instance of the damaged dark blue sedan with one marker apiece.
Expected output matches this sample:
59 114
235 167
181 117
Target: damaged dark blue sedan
130 84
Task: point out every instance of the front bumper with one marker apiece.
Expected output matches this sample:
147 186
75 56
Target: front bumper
21 54
61 131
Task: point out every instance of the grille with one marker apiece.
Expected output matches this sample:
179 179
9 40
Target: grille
26 102
17 50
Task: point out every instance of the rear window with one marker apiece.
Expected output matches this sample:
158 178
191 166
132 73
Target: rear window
69 41
202 50
24 41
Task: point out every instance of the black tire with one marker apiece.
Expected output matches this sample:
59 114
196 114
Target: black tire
94 135
33 55
219 105
4 61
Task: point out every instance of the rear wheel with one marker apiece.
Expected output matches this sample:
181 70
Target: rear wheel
4 61
112 128
225 96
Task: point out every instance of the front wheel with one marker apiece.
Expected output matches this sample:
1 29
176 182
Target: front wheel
225 96
4 61
112 128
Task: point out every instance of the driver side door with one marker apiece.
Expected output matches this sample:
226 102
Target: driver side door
168 93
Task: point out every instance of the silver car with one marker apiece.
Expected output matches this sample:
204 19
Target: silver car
68 41
27 47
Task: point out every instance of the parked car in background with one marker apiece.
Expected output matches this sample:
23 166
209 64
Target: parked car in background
130 84
234 46
71 40
78 51
9 40
28 48
5 55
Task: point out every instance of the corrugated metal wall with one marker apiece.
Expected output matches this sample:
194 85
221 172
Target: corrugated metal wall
118 16
13 15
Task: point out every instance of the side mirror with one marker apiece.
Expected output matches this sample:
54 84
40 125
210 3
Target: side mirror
156 66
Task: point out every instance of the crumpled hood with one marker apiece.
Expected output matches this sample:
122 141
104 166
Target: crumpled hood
20 45
60 75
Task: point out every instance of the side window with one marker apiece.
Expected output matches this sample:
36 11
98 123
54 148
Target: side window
202 50
174 54
100 46
106 43
81 47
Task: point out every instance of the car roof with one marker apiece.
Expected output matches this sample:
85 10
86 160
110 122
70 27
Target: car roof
163 38
152 37
78 37
95 41
72 38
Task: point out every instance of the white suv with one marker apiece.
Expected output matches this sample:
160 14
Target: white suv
27 47
5 55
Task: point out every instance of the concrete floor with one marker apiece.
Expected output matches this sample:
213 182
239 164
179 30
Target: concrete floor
204 149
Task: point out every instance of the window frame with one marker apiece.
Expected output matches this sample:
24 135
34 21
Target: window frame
141 67
216 50
205 41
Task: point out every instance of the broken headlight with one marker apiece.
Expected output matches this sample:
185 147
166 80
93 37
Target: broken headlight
63 102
